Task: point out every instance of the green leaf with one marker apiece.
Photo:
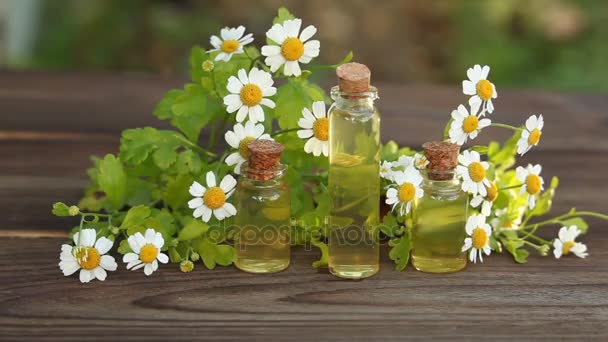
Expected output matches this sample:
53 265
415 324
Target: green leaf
213 254
193 111
514 247
390 151
389 226
505 156
138 144
197 57
324 259
112 180
400 251
282 15
479 149
61 209
194 229
135 217
163 109
291 98
174 255
124 247
579 222
188 162
348 58
176 192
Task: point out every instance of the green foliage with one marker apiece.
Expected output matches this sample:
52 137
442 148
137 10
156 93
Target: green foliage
112 180
292 97
61 209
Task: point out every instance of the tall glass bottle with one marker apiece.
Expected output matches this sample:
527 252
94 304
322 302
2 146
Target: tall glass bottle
354 183
440 216
263 211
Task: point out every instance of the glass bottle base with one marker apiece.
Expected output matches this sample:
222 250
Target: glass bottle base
438 264
354 271
261 266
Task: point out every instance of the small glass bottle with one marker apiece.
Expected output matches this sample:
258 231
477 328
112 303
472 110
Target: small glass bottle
440 215
353 181
263 211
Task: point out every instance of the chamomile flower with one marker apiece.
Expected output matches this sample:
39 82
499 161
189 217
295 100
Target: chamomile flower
145 251
420 161
466 125
482 90
315 128
507 219
404 162
473 173
386 170
212 199
88 256
291 49
248 93
533 183
487 200
230 42
530 136
407 190
478 239
238 139
565 244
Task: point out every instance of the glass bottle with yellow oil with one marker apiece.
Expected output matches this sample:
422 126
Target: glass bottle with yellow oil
440 216
263 211
354 183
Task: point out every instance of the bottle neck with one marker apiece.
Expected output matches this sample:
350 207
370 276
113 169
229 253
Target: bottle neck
271 176
354 102
441 183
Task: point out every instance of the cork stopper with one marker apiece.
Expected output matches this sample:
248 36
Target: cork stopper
353 77
264 157
443 159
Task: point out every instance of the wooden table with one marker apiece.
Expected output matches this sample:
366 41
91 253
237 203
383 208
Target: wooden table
50 124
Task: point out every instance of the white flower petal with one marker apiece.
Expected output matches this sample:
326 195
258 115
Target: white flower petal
308 32
103 245
85 276
108 262
228 183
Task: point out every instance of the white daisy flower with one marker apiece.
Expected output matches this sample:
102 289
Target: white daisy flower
486 201
386 170
478 240
248 93
530 136
291 49
238 138
407 192
565 243
213 198
404 162
88 256
315 126
231 42
473 173
482 90
466 124
506 220
420 161
533 183
146 251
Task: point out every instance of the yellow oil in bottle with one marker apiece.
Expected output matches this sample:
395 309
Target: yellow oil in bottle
354 187
439 231
262 222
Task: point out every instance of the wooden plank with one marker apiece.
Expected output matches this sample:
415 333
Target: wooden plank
544 299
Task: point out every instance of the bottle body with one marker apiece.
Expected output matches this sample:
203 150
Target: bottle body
262 224
354 185
439 227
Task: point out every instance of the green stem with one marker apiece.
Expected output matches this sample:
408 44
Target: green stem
494 124
194 146
567 215
221 161
511 187
284 131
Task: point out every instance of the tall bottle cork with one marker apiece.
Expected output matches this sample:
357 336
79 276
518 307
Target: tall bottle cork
264 158
353 77
443 159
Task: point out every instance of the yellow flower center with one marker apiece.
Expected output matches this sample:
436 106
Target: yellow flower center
243 149
567 246
214 198
88 257
148 253
407 191
292 49
492 192
321 129
534 136
470 123
251 95
533 184
231 45
480 238
477 172
485 90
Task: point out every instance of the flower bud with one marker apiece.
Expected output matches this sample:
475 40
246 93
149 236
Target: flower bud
186 266
195 256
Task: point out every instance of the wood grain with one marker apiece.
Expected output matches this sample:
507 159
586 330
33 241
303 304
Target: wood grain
51 123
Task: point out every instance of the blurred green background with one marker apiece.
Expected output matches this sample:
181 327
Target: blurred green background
550 44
